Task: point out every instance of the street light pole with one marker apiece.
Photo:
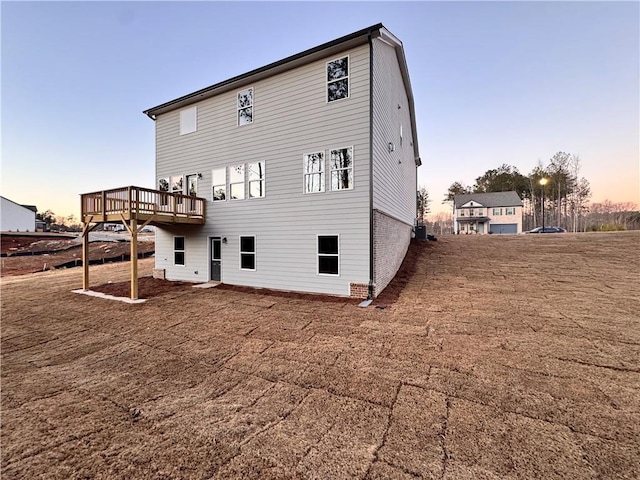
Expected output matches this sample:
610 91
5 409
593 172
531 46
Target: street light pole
543 182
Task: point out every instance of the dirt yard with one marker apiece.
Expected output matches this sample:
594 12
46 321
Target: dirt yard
503 357
33 253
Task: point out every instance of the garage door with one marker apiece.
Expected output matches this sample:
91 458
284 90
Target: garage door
503 228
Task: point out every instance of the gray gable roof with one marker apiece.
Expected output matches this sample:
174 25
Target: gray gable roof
494 199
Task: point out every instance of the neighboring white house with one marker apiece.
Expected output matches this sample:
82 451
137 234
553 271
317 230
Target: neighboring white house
308 167
15 217
498 212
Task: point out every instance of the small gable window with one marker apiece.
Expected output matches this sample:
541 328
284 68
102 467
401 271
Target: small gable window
245 107
338 79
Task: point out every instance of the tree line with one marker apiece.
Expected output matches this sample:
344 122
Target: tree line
566 196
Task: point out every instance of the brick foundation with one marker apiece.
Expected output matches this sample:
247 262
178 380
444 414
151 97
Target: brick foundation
358 290
391 241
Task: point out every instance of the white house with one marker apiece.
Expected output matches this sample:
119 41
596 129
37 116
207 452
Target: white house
308 168
15 217
498 212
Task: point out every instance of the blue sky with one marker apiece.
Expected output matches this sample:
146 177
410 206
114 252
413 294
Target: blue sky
494 83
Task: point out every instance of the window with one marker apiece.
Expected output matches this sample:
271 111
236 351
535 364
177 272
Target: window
178 250
256 179
248 253
342 169
497 211
471 213
236 182
163 186
338 79
245 107
328 257
188 120
510 211
480 212
219 182
192 190
177 187
314 172
462 213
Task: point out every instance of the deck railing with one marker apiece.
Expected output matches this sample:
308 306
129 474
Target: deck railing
140 203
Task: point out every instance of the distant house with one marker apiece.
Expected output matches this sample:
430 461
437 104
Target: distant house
15 217
497 212
307 167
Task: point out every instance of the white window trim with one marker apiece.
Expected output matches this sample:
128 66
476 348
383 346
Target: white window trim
348 77
353 168
512 212
322 173
254 253
214 185
253 108
183 119
263 180
184 251
318 254
244 182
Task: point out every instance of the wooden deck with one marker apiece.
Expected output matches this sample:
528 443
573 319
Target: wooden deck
149 207
135 207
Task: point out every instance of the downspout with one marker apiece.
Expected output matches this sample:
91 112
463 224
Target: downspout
371 238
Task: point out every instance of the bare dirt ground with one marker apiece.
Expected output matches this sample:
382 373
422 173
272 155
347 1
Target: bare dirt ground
50 252
503 357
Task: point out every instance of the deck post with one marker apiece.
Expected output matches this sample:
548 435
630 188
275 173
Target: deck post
85 255
134 258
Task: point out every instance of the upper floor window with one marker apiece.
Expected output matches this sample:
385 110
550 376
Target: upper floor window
342 168
462 213
480 212
245 107
256 179
510 211
471 212
236 182
314 172
188 120
219 182
338 79
497 211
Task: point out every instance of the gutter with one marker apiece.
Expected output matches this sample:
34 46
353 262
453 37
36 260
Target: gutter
371 252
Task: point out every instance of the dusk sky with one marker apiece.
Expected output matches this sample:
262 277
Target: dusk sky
494 83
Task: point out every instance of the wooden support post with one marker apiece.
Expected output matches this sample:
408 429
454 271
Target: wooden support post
86 228
134 258
85 256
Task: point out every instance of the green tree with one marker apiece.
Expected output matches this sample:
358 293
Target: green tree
456 188
47 217
423 204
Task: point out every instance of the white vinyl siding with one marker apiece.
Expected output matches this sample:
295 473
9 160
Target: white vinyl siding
394 173
286 219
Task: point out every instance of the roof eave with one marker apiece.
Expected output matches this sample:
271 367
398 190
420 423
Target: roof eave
302 58
391 39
